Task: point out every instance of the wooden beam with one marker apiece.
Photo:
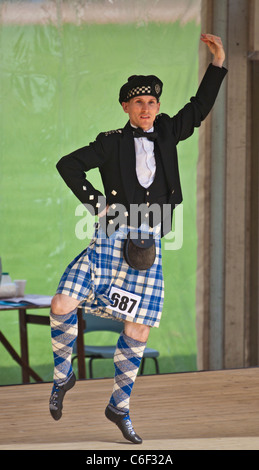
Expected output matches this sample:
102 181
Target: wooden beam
225 326
203 211
217 198
253 25
236 174
254 216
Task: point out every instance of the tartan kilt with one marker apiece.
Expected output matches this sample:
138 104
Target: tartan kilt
101 268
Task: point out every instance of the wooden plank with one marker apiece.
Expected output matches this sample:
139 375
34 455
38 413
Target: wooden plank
198 405
154 445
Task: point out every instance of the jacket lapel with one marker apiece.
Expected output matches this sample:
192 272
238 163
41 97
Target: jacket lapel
165 146
128 162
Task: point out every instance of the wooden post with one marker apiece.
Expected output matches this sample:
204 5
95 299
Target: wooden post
225 196
203 211
236 185
253 337
217 203
254 25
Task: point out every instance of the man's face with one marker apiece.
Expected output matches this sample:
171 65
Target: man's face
142 111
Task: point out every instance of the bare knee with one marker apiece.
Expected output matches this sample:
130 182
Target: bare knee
137 331
62 304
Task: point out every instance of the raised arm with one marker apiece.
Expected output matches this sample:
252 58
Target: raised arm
194 112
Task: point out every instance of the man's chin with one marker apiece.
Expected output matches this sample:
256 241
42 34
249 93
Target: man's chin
145 125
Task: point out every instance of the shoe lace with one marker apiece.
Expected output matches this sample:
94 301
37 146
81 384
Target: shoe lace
54 396
129 425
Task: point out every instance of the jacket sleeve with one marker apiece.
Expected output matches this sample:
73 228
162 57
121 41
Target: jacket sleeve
194 112
73 168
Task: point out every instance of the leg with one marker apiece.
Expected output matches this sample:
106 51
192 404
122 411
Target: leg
63 321
127 358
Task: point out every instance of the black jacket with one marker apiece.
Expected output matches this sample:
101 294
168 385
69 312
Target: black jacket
113 152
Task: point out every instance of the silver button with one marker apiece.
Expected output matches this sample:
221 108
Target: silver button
114 192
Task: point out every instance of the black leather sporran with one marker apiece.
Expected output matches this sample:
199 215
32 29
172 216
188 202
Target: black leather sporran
139 251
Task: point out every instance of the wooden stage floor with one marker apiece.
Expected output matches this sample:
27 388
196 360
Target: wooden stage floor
196 410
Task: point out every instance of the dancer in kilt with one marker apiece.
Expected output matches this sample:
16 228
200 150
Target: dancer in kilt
139 169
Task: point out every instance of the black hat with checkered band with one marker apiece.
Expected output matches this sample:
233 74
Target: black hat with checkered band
138 85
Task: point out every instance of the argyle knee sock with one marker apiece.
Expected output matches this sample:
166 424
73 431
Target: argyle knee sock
63 336
127 358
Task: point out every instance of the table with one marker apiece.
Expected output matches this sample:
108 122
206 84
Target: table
23 305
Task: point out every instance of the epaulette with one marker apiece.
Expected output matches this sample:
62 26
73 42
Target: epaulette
116 131
159 116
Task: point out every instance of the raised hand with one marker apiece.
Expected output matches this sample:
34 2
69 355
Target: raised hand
215 46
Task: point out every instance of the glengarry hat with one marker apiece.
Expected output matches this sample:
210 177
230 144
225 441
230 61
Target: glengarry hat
138 85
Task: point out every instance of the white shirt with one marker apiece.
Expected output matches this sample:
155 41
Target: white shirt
145 160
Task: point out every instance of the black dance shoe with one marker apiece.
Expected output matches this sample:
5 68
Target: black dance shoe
123 421
57 396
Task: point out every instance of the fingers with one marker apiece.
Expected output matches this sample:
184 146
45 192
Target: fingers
211 38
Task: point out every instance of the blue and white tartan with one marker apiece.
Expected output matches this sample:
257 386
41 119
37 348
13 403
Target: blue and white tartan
91 275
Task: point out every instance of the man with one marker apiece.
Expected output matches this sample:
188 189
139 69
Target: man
138 166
